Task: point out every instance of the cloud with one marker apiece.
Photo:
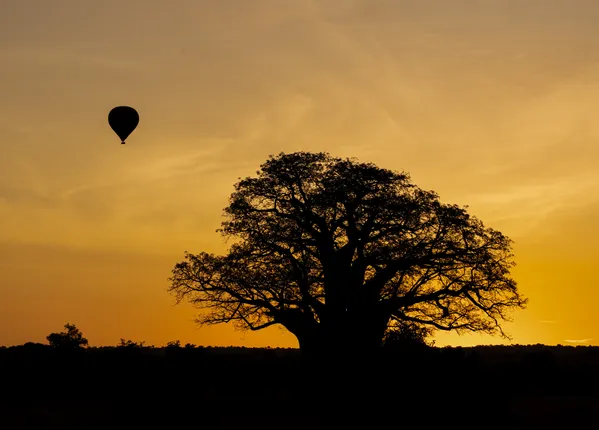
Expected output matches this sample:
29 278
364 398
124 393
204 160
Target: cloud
148 169
578 340
566 233
27 57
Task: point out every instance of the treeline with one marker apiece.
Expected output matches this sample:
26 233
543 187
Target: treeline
531 368
131 381
67 361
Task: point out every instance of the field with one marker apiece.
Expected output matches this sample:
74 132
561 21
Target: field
129 387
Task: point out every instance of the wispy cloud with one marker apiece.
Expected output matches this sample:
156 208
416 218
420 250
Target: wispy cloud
52 56
152 168
578 340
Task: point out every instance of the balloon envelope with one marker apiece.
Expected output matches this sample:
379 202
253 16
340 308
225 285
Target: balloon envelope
123 120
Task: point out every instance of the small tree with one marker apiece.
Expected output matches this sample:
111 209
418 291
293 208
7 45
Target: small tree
408 336
173 344
71 338
130 344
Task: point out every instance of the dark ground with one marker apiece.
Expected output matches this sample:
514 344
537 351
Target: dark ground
515 387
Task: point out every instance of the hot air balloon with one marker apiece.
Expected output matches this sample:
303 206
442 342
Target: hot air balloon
123 120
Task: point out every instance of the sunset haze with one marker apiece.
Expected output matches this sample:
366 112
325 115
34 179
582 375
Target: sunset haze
492 104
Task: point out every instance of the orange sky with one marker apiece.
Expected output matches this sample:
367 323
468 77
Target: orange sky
492 104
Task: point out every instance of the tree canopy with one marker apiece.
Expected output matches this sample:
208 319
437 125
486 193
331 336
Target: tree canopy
70 338
339 252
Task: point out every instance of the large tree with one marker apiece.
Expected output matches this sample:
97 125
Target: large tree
338 252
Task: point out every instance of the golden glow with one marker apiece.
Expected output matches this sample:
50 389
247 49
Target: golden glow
492 104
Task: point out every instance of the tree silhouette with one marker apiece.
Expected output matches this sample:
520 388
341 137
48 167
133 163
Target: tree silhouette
408 335
71 338
173 344
130 344
340 252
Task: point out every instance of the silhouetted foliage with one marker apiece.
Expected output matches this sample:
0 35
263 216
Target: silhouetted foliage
130 344
408 335
340 252
173 344
105 386
71 338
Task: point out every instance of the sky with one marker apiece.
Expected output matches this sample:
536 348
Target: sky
490 103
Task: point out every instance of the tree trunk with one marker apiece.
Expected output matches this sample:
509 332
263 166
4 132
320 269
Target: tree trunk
340 360
346 341
337 377
339 355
